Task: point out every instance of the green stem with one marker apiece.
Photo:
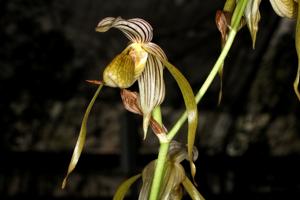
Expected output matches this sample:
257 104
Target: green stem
157 114
159 170
164 146
161 159
235 23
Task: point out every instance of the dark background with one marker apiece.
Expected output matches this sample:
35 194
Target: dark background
249 145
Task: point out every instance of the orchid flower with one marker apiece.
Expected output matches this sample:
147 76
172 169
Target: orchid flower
141 61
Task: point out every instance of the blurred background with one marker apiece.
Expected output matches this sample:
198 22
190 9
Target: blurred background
249 146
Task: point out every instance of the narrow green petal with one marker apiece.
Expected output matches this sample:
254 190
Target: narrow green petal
296 82
192 190
191 109
81 138
124 187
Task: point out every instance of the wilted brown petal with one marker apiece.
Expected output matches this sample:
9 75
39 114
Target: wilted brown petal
136 29
223 21
252 16
130 101
285 8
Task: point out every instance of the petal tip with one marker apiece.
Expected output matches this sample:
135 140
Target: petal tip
146 122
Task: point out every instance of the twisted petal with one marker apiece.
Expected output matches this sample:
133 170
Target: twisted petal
152 88
136 29
285 8
81 138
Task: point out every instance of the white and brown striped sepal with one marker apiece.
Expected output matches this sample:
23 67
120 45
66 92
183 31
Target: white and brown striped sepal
135 29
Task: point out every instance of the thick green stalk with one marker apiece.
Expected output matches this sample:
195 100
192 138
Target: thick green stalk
159 170
157 114
235 23
161 159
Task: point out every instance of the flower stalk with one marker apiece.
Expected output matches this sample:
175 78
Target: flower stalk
158 175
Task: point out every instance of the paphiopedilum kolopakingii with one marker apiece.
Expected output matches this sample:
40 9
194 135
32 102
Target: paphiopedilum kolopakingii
140 61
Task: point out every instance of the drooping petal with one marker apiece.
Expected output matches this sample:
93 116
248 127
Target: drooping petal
252 16
191 109
81 138
124 187
192 190
285 8
136 29
151 87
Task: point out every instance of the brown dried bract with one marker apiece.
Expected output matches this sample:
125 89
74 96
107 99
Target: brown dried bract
223 20
131 103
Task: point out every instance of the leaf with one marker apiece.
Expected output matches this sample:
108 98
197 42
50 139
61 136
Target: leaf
252 16
192 190
123 188
191 109
297 41
81 138
285 8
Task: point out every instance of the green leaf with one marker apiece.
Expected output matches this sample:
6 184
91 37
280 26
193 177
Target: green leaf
191 109
296 82
192 190
252 16
81 138
123 188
